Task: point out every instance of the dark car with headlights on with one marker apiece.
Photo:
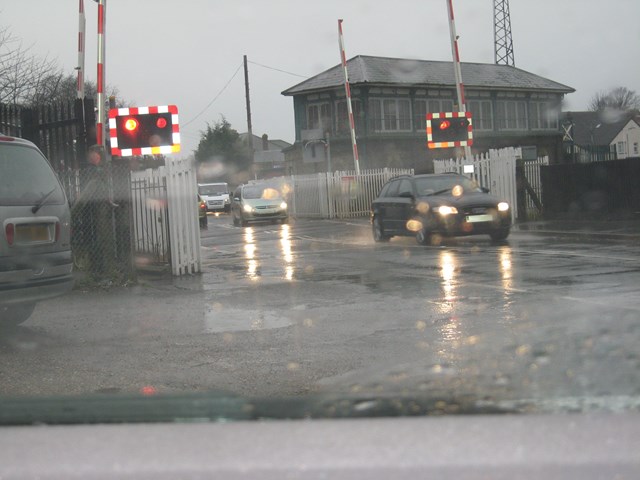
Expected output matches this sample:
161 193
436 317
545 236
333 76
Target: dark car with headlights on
254 203
430 205
35 251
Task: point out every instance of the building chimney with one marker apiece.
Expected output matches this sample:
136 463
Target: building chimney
265 142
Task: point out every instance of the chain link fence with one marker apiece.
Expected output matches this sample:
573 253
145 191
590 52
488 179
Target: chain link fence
99 197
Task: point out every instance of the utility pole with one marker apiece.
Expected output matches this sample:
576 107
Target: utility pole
248 100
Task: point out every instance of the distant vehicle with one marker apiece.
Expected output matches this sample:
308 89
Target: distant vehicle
202 212
253 203
35 248
216 196
445 204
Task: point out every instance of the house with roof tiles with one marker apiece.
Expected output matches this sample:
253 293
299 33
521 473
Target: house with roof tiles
601 136
390 100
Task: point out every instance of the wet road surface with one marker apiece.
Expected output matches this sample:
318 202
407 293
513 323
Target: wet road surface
316 306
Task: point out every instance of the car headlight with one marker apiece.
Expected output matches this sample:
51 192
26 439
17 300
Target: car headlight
446 210
503 206
283 205
248 208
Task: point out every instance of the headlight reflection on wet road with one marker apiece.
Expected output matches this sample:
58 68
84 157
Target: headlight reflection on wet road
285 257
250 249
448 263
285 244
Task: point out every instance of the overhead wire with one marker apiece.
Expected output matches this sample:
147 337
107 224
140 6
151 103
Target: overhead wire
277 69
214 98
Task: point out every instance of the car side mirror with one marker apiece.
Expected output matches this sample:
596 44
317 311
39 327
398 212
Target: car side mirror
407 195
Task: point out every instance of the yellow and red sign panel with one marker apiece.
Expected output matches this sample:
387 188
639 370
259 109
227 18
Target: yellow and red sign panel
449 129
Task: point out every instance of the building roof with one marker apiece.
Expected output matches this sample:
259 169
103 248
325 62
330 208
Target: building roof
271 144
604 125
365 69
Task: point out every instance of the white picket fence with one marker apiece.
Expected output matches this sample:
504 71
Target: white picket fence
333 195
169 221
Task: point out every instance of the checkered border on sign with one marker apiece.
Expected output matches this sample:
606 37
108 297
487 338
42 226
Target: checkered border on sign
129 152
463 143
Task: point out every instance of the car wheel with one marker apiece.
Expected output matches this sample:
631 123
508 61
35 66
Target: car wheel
423 237
12 316
378 231
499 235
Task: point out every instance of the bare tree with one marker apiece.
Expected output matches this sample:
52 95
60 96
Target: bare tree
23 75
28 80
619 98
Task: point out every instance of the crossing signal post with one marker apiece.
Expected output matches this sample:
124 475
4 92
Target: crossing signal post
144 130
449 129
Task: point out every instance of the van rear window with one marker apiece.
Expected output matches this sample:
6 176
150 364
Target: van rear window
26 176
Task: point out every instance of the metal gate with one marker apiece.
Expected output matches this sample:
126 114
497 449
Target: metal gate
165 216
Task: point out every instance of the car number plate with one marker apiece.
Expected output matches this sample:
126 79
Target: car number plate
32 233
479 218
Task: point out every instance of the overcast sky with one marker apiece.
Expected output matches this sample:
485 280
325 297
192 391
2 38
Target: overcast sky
185 52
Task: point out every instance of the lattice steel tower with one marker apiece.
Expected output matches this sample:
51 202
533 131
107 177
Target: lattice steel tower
502 33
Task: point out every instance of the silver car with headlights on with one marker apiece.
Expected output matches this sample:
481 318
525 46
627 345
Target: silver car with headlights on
254 203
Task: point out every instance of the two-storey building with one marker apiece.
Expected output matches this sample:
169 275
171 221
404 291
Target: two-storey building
390 100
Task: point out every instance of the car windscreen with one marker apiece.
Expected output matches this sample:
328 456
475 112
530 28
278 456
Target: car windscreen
212 190
26 177
432 185
265 193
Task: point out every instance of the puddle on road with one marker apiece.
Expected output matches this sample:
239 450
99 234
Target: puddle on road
237 320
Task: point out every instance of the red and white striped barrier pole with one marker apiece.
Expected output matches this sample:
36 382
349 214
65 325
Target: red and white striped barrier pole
462 103
101 73
81 44
354 145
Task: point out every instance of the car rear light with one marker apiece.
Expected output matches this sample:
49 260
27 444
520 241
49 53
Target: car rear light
10 231
57 231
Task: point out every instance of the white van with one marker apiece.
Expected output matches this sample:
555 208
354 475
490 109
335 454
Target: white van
216 196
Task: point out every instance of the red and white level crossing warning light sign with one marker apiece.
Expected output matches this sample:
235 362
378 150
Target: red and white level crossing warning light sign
144 130
449 129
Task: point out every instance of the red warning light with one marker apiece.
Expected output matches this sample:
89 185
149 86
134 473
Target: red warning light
161 122
131 124
445 124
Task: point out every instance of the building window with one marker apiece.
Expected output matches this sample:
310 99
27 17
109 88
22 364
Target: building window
622 148
512 115
482 114
319 116
390 114
635 148
342 116
422 107
544 116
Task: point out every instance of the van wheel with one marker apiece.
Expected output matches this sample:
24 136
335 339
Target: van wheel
12 316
